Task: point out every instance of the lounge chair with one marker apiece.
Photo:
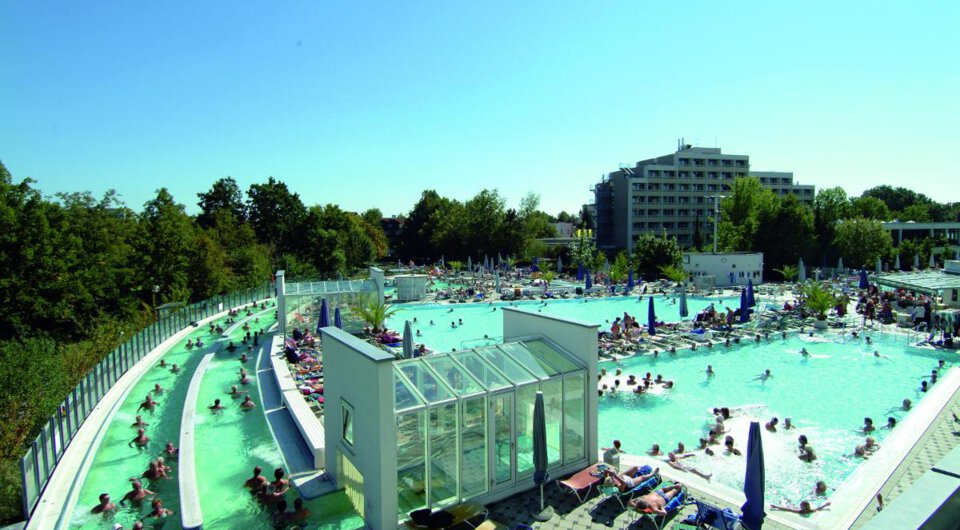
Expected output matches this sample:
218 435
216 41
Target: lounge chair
459 514
673 507
710 516
624 497
585 479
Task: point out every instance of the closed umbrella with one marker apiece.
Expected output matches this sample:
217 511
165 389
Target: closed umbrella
754 482
469 263
802 269
840 266
606 266
630 284
744 310
499 260
486 262
896 263
443 264
589 281
933 261
579 272
407 340
336 318
559 264
916 261
879 265
864 282
540 475
684 312
651 318
751 302
324 315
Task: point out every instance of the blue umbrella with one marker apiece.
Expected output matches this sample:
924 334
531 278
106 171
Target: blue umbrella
579 272
750 301
540 474
324 315
589 281
630 284
754 481
684 311
864 282
651 318
407 341
336 318
744 309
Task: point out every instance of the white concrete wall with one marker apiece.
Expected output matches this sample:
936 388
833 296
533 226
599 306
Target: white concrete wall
578 338
721 265
362 375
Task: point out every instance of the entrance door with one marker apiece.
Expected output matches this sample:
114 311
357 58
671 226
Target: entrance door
503 461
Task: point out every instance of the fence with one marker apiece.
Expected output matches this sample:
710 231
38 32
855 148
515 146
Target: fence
43 454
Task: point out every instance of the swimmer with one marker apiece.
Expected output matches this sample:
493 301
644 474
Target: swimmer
804 509
674 460
243 357
105 504
163 363
763 377
235 393
906 404
868 425
726 343
772 424
216 405
681 449
175 369
804 352
148 404
158 510
171 451
923 386
431 322
891 422
787 423
139 422
257 482
710 371
655 450
419 334
135 495
728 444
157 389
247 404
140 440
820 489
869 341
300 514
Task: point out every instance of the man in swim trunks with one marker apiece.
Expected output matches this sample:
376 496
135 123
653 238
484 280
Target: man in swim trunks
257 482
660 501
147 404
247 404
630 478
135 495
216 407
280 486
105 504
674 460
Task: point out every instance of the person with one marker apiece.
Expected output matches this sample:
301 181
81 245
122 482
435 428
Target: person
787 423
135 495
660 501
244 380
933 376
158 510
681 449
906 404
804 352
923 386
728 444
148 404
891 422
807 453
655 450
139 422
171 451
257 482
235 392
611 455
764 376
231 347
163 363
629 479
141 439
216 405
820 489
175 369
710 371
105 504
674 460
804 509
772 424
243 357
280 484
300 513
247 404
157 389
868 425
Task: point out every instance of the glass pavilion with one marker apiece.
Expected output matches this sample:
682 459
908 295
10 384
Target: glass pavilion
464 420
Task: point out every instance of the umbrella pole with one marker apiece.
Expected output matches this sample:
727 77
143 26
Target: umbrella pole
546 512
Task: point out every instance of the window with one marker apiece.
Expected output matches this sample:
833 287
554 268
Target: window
346 414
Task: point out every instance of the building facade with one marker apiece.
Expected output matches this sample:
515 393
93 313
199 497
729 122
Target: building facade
675 193
727 269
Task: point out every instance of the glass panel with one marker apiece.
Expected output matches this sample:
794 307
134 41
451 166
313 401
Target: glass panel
443 455
573 427
347 415
32 491
423 380
511 368
405 397
552 356
531 362
473 453
483 371
553 412
525 399
411 468
503 438
459 379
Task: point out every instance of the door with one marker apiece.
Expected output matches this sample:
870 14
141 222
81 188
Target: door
503 461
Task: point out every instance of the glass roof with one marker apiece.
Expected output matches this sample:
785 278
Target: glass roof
430 387
460 380
930 282
435 379
330 287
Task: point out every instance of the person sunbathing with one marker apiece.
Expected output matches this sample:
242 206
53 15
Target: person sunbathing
674 460
661 501
804 509
630 478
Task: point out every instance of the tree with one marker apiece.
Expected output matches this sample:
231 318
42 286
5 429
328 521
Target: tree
417 237
166 246
789 272
583 249
224 195
375 313
785 232
564 217
674 273
620 267
829 206
919 213
870 208
862 241
819 299
739 214
209 273
483 214
586 218
897 199
652 252
275 214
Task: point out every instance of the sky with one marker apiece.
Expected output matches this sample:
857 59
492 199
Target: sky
366 104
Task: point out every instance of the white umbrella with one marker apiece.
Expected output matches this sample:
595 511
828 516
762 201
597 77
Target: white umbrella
879 265
606 266
933 261
896 264
916 261
840 266
802 270
469 263
559 264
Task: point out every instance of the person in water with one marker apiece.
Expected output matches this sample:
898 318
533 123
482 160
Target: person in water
135 495
105 504
140 440
139 422
148 404
170 451
257 482
158 511
804 509
247 404
674 460
216 405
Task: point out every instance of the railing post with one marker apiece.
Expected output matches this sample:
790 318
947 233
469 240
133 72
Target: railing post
25 488
43 444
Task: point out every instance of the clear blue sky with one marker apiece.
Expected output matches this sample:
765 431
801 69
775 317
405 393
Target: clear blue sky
366 104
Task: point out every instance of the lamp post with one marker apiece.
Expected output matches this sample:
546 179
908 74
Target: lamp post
156 289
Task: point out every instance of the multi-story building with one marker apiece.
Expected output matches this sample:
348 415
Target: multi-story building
673 193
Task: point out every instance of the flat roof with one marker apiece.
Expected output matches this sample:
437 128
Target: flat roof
931 282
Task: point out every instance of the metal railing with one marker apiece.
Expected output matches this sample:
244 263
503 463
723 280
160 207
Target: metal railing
45 452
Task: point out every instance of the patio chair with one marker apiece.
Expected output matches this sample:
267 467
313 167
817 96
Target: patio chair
673 507
624 497
581 483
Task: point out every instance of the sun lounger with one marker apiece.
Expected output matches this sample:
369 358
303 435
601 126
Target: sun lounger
581 483
673 507
624 497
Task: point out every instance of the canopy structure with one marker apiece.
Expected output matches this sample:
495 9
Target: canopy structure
300 302
930 282
443 406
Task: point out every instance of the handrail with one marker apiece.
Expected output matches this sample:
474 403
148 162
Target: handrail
45 452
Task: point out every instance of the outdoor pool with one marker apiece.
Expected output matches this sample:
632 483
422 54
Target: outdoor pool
827 395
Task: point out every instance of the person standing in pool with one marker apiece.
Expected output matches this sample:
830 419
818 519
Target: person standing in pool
105 505
216 407
247 404
148 404
257 482
135 495
158 511
141 440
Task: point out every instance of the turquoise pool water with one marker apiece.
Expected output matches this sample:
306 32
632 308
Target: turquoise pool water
115 462
481 319
827 395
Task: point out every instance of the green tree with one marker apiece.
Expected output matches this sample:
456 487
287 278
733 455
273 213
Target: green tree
582 250
829 206
209 274
166 246
586 218
870 208
862 241
417 237
224 195
652 252
819 299
789 272
740 212
785 232
484 214
916 212
275 214
897 199
620 267
674 273
374 230
375 313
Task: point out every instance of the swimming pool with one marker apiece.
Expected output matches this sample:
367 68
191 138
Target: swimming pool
827 395
481 319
